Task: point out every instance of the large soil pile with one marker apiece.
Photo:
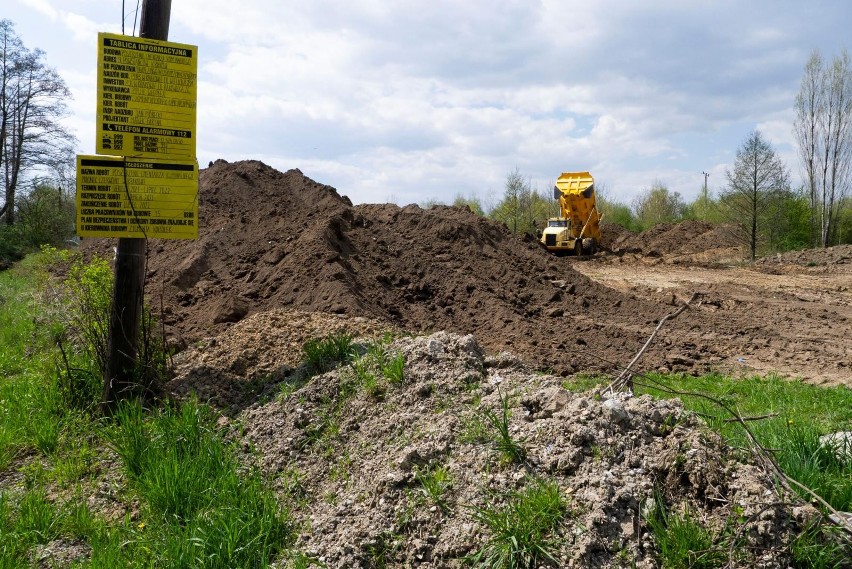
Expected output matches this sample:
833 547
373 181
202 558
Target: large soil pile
280 240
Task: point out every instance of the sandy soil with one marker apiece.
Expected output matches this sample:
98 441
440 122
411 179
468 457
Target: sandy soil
804 307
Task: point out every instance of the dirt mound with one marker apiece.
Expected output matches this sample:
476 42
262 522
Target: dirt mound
837 255
676 239
359 465
613 235
273 240
234 369
280 240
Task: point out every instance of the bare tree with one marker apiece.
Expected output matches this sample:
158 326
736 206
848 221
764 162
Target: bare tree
32 104
756 185
823 129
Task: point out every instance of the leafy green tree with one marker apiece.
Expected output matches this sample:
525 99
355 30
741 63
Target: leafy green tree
757 187
844 221
472 201
614 211
522 209
658 205
791 225
510 209
45 216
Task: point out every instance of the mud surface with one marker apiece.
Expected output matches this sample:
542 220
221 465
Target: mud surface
280 240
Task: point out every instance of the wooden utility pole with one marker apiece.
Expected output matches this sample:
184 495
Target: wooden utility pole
120 381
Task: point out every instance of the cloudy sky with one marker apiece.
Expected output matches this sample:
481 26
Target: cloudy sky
413 100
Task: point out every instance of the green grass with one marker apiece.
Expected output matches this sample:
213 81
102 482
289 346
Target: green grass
376 369
434 483
31 410
521 532
802 413
325 354
510 449
203 503
820 547
394 369
195 504
682 541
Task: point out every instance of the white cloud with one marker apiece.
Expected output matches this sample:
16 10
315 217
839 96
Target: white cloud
425 100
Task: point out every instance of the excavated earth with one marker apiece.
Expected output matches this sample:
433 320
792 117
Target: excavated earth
272 240
483 319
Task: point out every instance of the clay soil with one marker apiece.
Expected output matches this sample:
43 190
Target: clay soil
273 240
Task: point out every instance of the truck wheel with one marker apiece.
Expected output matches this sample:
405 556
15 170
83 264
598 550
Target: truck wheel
578 248
590 246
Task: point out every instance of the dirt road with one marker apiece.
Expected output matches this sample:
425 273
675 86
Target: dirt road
796 311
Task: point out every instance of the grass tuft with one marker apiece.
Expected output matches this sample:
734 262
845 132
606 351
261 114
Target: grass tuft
681 540
206 505
434 483
521 531
511 450
325 354
394 370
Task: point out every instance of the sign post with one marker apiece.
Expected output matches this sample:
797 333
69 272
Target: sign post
126 314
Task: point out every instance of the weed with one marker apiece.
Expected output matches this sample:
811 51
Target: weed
301 560
521 532
474 429
325 431
324 355
342 469
510 449
37 517
394 370
374 387
380 550
434 483
682 541
815 547
291 481
363 370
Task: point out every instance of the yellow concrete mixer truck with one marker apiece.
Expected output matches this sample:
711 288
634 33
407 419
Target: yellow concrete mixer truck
577 230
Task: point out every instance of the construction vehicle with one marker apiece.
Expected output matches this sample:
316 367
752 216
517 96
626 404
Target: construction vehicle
577 230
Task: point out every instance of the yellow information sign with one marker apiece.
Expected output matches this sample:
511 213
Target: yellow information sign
119 197
147 94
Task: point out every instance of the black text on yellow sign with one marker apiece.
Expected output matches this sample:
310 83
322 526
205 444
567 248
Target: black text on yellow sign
147 93
136 198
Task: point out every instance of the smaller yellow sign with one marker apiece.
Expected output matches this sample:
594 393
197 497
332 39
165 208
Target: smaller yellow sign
147 93
119 197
